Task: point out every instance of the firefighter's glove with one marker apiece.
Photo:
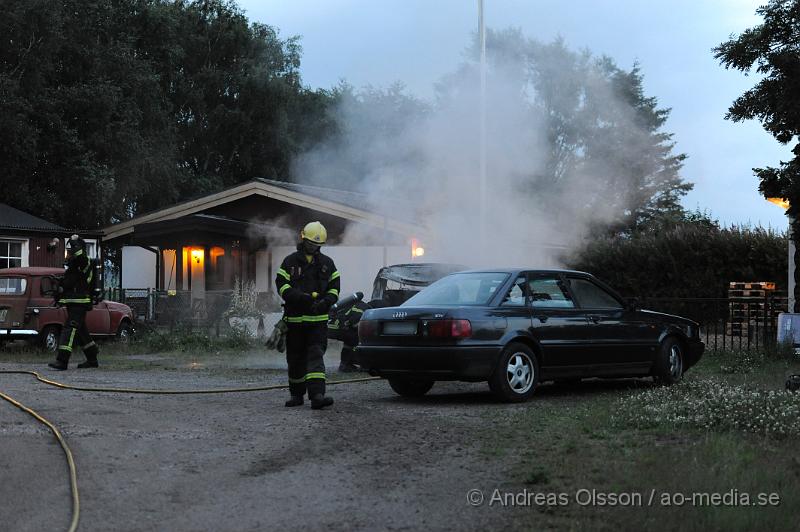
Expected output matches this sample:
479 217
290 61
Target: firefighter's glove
277 339
306 299
320 306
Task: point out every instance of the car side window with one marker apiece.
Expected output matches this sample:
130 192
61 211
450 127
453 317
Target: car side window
13 286
590 295
516 294
47 286
549 292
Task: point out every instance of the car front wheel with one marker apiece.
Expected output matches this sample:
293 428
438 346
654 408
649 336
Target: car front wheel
124 332
517 374
669 365
410 387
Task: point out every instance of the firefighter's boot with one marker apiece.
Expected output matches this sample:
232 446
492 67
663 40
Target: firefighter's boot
296 400
91 351
60 365
320 401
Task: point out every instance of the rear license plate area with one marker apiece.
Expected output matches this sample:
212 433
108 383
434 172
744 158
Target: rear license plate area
399 328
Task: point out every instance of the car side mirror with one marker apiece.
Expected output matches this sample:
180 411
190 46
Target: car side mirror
633 304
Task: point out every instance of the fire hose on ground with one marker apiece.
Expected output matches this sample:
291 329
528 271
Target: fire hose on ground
73 476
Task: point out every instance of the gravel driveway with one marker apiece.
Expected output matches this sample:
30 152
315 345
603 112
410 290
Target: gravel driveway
242 461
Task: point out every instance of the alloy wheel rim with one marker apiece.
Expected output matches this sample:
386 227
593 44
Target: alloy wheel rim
675 363
51 341
520 373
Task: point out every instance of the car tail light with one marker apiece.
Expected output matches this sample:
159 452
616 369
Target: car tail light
367 328
449 328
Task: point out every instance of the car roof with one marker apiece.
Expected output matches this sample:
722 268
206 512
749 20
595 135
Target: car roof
32 270
520 270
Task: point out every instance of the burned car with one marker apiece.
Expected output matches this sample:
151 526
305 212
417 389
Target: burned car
393 285
516 328
28 311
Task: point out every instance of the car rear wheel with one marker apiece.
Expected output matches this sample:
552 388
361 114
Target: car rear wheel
124 332
48 338
410 387
669 365
517 374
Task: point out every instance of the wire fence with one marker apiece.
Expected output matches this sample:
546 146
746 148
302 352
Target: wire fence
180 309
739 323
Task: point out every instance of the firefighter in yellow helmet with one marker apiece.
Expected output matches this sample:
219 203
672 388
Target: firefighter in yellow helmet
309 283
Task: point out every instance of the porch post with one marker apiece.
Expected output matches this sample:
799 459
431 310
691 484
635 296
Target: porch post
178 267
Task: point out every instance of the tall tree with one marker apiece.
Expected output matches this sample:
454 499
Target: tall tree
112 108
604 136
773 49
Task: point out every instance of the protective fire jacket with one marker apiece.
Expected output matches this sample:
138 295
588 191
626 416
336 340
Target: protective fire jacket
77 280
298 279
348 318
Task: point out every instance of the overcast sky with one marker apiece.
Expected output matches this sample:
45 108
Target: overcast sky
379 42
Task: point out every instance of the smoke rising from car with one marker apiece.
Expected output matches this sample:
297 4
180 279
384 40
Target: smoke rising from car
419 161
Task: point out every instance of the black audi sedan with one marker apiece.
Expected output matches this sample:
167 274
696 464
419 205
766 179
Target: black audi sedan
516 328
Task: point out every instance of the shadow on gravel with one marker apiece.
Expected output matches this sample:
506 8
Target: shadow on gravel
586 389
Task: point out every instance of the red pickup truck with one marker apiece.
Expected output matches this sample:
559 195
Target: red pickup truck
27 309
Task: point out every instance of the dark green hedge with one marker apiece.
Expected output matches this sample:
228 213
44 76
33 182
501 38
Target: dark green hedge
685 260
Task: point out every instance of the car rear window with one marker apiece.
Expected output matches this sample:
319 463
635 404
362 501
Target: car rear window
13 286
461 289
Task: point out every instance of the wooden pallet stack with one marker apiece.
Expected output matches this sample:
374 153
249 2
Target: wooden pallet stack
748 307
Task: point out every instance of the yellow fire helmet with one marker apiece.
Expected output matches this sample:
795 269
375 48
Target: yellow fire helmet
314 232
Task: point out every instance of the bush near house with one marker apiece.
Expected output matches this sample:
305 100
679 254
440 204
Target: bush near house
689 257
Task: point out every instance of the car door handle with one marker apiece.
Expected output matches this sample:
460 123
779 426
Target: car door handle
593 319
542 318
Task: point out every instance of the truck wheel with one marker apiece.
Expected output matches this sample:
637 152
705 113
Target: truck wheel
49 337
517 374
124 332
410 387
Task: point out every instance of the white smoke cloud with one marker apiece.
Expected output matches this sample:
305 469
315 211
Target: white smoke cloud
422 163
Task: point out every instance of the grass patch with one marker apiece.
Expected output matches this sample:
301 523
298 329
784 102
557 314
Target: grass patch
186 340
155 349
731 434
711 404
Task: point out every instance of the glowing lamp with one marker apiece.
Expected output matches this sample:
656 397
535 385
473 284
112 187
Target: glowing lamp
416 249
780 202
197 255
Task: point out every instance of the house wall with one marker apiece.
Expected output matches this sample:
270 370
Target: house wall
357 265
138 268
197 261
40 255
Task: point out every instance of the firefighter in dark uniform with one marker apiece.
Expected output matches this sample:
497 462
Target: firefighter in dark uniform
309 284
344 327
74 292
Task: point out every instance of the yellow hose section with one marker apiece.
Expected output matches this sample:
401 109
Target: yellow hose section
171 392
73 475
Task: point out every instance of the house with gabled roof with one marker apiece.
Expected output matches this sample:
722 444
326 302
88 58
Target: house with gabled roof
27 240
207 244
